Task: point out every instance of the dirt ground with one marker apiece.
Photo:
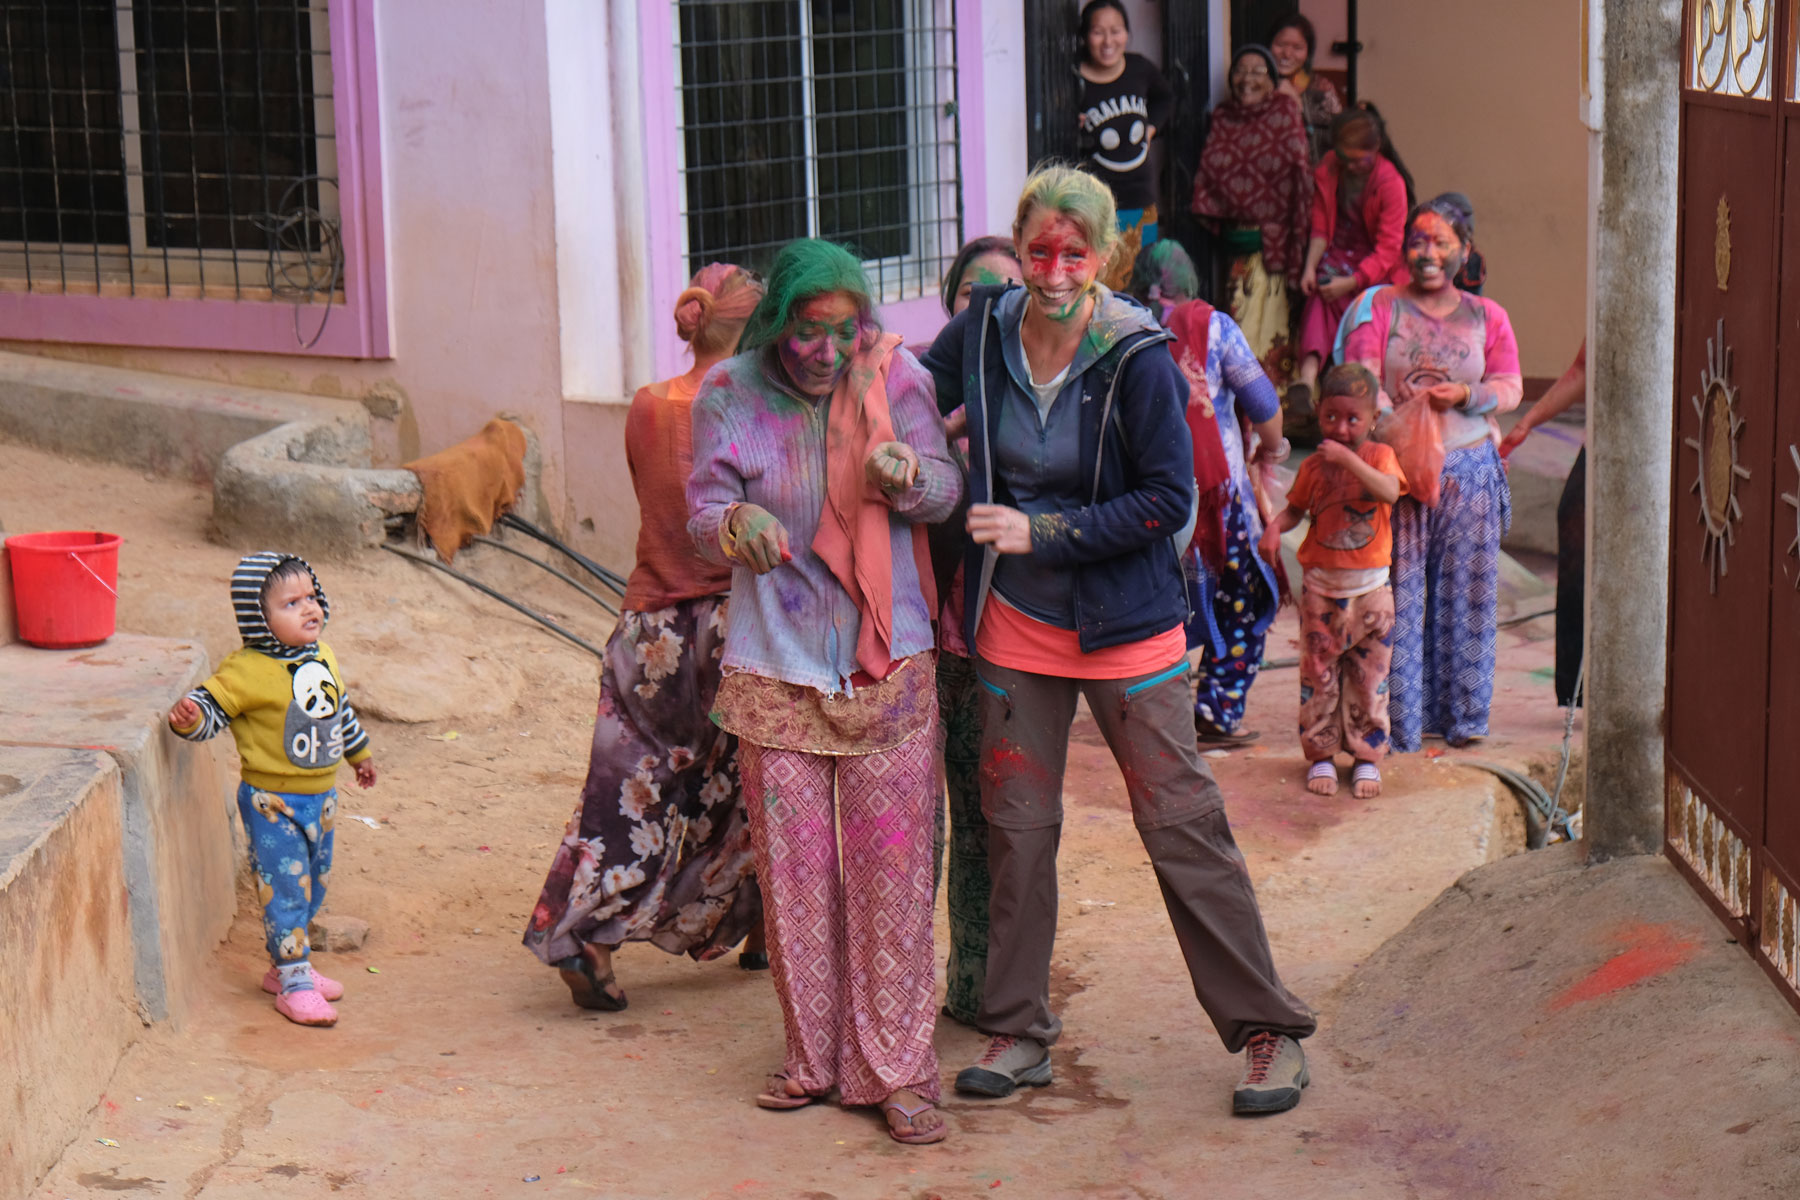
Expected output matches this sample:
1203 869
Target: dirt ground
459 1068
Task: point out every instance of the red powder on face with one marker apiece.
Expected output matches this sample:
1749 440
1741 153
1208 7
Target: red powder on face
1058 249
1651 950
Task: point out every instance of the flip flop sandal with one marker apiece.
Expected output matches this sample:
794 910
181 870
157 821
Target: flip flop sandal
1323 769
913 1139
1366 772
587 989
777 1097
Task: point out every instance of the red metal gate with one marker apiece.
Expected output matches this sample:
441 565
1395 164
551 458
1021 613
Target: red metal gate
1732 803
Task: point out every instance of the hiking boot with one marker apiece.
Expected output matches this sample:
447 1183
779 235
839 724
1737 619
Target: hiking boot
1009 1061
1275 1073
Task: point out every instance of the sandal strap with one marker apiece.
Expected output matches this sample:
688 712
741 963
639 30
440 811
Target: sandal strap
1323 769
1366 772
908 1113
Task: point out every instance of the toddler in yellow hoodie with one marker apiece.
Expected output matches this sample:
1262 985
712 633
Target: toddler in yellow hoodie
285 703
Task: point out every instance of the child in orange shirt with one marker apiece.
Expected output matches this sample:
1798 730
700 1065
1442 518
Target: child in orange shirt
1348 489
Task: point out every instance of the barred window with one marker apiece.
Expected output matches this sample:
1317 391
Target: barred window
176 148
821 118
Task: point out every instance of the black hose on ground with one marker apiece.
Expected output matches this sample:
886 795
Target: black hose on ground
546 622
611 579
497 544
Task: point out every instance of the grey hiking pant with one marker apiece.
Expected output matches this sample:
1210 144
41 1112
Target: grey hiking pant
1148 722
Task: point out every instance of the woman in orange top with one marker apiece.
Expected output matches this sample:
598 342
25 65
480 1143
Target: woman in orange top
658 849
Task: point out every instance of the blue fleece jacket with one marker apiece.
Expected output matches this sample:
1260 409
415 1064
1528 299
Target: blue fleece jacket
1119 535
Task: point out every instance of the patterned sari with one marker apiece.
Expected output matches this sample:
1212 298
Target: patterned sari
658 849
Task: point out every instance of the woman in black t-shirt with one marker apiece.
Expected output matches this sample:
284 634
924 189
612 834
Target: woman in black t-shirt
1124 99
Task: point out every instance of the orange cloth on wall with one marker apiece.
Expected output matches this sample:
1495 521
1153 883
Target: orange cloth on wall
469 486
1009 638
659 448
1350 529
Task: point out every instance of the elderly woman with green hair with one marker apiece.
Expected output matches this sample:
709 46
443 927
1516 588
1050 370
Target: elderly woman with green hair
819 458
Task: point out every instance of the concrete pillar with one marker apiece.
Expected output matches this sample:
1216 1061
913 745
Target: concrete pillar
1630 388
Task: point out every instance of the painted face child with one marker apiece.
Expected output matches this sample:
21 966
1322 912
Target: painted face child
994 267
1060 266
816 350
1347 409
1435 252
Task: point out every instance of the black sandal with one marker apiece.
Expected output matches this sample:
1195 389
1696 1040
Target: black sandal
587 989
754 960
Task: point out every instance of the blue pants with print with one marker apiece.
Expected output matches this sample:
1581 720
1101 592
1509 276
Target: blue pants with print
1240 595
290 851
1446 593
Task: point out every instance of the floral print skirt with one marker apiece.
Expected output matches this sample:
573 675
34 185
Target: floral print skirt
658 849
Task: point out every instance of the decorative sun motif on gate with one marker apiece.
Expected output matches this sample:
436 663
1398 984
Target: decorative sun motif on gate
1716 450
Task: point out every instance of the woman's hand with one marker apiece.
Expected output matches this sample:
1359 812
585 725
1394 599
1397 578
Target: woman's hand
1007 530
956 425
1442 396
760 542
892 467
1341 287
1309 282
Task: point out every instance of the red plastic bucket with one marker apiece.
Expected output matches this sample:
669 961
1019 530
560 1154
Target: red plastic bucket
65 587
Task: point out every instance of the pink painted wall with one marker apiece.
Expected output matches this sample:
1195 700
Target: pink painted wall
469 230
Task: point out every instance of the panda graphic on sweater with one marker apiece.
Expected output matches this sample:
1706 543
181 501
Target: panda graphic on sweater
314 733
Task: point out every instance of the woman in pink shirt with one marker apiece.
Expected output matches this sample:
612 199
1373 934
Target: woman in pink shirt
1361 195
1431 343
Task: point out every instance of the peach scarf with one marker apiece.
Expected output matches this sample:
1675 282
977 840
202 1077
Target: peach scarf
854 537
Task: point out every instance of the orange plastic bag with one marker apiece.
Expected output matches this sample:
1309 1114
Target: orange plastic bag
1417 437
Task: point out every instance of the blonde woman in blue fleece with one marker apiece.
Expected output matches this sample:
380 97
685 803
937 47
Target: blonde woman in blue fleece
284 701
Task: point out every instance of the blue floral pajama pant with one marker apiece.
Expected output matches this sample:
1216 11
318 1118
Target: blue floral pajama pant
1446 592
290 851
1240 595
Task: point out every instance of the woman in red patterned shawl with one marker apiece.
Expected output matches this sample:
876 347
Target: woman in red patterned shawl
1255 183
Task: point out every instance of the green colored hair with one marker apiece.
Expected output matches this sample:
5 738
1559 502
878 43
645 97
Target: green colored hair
1077 196
805 269
1166 266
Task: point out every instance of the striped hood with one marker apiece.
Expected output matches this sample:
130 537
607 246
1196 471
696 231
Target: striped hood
247 581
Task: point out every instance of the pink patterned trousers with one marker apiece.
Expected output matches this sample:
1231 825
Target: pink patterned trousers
849 941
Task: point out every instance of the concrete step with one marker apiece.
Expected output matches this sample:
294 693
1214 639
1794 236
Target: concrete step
118 866
163 423
68 998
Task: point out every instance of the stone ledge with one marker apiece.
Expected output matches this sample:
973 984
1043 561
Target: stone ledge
177 808
68 1003
307 486
161 423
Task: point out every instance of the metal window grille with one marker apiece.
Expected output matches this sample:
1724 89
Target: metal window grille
175 148
821 118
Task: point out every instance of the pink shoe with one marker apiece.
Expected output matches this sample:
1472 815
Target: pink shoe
306 1007
331 989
